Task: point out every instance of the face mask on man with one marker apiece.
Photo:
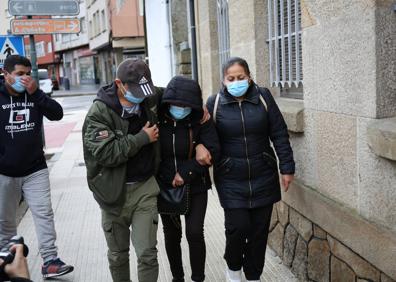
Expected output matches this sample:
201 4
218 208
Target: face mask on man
179 113
129 96
238 88
17 85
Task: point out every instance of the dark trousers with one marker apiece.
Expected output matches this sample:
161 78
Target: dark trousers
246 239
194 222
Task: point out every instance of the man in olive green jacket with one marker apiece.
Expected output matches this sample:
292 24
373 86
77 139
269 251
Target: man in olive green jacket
122 155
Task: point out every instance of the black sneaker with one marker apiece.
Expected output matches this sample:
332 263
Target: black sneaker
54 268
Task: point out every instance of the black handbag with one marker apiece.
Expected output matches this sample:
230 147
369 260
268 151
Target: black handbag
175 201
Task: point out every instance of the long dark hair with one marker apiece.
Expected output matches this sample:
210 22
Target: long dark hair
235 60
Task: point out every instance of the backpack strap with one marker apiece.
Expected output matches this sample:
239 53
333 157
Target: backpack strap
262 99
216 105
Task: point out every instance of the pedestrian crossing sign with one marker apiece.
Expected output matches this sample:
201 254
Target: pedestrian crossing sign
10 45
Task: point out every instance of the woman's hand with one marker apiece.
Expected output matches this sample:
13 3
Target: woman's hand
177 181
202 155
206 115
286 180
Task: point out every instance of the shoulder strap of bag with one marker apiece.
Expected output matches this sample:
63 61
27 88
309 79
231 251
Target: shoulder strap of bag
190 152
262 99
216 104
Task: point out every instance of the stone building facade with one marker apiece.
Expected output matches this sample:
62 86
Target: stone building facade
338 220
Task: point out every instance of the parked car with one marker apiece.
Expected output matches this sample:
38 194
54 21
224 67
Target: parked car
45 81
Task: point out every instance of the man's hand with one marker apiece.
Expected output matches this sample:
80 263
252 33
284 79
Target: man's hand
202 155
286 180
177 181
19 266
152 132
206 115
29 83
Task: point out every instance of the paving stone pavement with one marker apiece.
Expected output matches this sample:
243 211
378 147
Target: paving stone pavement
80 238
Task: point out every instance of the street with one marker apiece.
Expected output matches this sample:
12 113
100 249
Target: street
77 216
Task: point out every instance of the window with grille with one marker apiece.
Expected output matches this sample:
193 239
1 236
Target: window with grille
284 39
223 32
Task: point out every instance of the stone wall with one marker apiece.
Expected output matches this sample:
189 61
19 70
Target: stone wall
208 46
182 51
313 254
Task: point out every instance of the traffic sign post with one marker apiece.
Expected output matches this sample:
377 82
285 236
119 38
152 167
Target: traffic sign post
43 7
45 26
42 26
10 45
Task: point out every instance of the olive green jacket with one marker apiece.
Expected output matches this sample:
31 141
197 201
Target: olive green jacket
108 146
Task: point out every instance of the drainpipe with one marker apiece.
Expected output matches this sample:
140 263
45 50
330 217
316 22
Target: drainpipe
191 24
142 11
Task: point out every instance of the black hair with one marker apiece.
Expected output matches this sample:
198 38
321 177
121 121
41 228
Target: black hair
236 60
11 61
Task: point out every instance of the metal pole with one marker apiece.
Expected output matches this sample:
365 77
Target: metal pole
194 65
33 60
145 31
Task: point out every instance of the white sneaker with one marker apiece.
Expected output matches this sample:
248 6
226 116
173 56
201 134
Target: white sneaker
233 276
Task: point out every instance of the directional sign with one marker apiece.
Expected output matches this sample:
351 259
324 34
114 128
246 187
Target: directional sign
10 45
45 26
43 7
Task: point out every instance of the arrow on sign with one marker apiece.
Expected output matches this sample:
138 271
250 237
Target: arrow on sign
17 6
72 25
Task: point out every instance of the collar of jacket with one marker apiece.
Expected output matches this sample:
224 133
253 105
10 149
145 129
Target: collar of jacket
252 95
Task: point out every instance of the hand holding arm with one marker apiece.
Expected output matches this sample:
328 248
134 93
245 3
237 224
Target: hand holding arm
202 155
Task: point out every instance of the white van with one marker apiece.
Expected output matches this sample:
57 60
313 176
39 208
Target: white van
45 81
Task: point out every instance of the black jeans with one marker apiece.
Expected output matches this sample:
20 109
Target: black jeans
246 239
195 237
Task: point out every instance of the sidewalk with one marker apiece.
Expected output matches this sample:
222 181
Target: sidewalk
80 238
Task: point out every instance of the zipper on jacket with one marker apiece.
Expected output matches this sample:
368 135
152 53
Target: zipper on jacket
174 146
247 155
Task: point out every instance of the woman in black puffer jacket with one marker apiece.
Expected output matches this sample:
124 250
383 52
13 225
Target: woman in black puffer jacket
181 113
246 177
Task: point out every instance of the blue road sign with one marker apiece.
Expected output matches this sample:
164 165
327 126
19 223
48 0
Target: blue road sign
10 45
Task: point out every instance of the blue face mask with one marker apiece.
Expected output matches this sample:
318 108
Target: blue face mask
129 96
17 85
238 88
179 113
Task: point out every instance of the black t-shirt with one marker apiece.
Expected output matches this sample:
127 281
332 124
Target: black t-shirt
141 166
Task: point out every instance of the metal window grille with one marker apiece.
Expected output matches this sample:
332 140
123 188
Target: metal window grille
284 38
223 32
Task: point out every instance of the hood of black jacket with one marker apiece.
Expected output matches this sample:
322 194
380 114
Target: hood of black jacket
184 92
108 95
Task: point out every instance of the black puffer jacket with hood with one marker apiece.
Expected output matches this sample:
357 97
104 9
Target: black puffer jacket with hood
175 137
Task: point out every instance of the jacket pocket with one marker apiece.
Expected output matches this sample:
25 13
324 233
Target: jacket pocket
271 161
100 185
223 163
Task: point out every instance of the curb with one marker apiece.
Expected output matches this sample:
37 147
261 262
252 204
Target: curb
72 95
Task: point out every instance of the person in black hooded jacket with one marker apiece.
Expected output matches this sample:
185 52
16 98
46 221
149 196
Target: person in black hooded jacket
180 112
246 177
